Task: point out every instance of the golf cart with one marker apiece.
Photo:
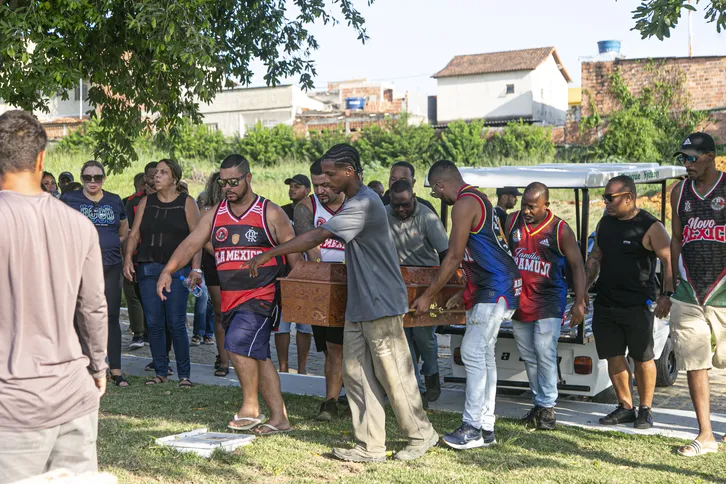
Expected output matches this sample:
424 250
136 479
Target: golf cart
580 371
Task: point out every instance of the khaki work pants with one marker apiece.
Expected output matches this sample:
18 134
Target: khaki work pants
377 362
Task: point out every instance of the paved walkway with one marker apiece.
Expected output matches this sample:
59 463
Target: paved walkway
675 397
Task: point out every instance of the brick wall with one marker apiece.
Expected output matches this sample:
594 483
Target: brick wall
704 80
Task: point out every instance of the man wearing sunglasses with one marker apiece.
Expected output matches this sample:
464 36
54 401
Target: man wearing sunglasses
699 258
627 242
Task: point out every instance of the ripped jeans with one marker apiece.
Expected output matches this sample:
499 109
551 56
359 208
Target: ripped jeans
477 353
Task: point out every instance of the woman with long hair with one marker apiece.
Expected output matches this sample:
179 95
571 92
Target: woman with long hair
213 196
107 212
163 220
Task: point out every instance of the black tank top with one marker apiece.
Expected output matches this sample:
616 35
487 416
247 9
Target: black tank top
627 269
163 228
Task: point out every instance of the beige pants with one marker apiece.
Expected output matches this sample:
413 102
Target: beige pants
691 327
70 446
377 362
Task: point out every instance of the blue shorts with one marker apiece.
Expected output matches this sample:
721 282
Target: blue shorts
248 334
284 327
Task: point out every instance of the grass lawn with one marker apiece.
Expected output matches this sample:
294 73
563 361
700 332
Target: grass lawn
132 418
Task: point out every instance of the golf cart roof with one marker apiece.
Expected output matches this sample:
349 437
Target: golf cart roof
568 175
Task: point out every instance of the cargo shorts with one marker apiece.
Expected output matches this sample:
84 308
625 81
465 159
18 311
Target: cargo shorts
691 328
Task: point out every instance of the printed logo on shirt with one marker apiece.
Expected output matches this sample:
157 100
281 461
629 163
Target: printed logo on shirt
320 221
707 230
235 238
718 203
99 214
251 235
545 242
235 255
531 262
516 236
687 206
221 234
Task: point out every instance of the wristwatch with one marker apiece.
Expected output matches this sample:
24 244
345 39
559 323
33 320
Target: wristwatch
199 271
667 294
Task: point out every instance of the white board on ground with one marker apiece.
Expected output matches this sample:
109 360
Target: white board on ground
203 443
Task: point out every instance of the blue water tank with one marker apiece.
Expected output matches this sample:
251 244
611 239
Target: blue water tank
605 46
355 103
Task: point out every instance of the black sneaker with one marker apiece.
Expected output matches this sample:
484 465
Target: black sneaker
619 416
328 411
136 342
424 402
530 417
433 387
466 437
546 419
644 419
488 436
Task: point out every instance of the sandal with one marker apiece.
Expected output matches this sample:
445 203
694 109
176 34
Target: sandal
271 430
196 340
221 371
151 367
155 381
208 341
185 383
696 448
120 381
217 362
253 422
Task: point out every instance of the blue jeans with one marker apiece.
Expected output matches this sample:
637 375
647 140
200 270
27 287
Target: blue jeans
171 313
477 353
537 344
204 314
424 340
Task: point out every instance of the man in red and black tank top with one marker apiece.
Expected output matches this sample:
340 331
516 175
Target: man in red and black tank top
542 245
699 257
242 226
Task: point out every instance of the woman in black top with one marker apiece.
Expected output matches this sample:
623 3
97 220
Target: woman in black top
163 220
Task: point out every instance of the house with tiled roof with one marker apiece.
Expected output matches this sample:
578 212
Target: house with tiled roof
528 84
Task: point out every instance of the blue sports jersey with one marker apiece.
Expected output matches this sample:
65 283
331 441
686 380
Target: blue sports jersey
490 269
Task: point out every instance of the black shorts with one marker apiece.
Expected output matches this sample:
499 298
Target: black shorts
619 328
209 269
327 334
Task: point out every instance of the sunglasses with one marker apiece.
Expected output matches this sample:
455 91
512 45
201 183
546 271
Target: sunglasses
609 197
433 190
683 159
233 182
395 206
92 178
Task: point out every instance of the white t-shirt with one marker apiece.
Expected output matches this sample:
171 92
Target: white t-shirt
333 249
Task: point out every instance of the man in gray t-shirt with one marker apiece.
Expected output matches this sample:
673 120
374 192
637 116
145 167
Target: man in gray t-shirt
420 240
376 357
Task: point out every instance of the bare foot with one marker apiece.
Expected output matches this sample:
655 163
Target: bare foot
271 427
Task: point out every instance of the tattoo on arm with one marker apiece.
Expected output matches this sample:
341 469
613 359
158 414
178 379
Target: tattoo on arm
592 268
303 218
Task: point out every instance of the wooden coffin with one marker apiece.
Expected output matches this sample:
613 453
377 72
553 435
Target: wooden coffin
316 293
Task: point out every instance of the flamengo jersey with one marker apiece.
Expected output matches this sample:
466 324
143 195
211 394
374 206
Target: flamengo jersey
237 240
332 250
702 264
490 269
541 264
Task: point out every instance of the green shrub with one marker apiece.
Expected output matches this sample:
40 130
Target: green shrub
521 141
398 140
266 146
463 143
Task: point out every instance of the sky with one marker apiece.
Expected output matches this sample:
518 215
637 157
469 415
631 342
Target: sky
410 40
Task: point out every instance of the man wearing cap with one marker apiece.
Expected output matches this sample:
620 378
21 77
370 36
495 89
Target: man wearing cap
299 190
506 200
64 179
698 252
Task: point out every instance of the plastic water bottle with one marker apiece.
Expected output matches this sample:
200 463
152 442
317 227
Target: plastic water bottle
651 307
196 290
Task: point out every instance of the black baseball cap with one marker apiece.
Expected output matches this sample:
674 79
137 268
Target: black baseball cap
697 144
66 174
299 179
508 191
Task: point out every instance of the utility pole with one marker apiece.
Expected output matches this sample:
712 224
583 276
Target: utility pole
690 32
80 100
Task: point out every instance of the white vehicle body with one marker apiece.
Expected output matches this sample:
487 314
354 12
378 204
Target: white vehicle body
575 346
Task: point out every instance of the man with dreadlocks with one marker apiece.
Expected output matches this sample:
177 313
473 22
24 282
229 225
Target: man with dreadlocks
376 357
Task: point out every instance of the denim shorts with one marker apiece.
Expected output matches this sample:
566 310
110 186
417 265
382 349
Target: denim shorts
284 327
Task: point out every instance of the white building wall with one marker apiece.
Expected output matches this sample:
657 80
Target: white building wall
549 93
484 96
58 108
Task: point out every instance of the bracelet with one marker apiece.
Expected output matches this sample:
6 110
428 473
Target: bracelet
667 294
198 271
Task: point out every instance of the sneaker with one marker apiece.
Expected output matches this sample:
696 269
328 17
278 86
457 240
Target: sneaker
644 419
328 411
136 342
357 454
411 452
208 340
195 341
530 417
618 416
343 407
465 437
433 387
546 419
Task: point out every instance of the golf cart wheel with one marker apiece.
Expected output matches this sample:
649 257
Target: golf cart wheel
666 366
606 396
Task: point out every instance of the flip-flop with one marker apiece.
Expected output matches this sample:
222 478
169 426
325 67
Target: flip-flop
696 448
254 422
273 430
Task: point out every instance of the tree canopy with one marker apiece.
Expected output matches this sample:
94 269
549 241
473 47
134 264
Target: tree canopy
658 17
150 62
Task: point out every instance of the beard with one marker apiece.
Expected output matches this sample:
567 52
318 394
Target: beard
235 198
